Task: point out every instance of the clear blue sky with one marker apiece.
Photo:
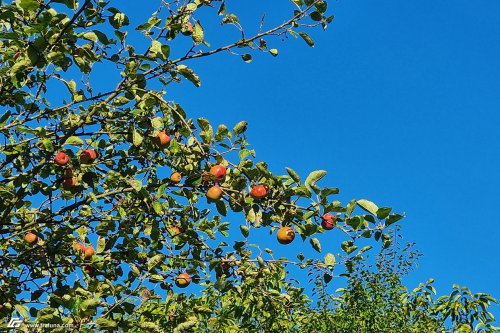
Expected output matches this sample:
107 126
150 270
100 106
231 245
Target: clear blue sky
399 101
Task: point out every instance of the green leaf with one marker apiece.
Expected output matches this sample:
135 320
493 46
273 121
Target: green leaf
240 128
350 207
136 184
91 303
155 260
71 85
274 52
314 177
158 208
207 131
230 19
302 191
71 4
20 66
307 39
222 132
247 57
383 212
221 207
315 244
90 36
120 101
74 141
368 206
321 6
244 230
198 35
118 20
29 5
295 176
364 249
316 16
242 154
47 143
393 218
22 310
101 244
157 122
189 74
136 138
330 260
104 322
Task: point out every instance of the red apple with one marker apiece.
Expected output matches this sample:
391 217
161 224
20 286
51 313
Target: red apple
88 156
89 269
69 183
218 172
328 221
61 158
258 192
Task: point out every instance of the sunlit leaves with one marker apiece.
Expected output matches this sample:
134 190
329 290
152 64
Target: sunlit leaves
240 128
368 206
314 177
315 244
189 74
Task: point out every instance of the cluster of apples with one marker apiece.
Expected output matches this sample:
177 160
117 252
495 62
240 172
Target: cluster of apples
88 252
87 156
217 174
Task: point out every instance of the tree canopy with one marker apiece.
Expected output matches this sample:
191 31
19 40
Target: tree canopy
118 207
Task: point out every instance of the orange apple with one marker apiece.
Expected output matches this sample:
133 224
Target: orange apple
163 139
89 252
286 235
174 230
175 178
61 158
88 156
218 172
182 280
79 247
30 237
258 192
214 193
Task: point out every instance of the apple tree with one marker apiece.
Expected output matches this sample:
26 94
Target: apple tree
116 205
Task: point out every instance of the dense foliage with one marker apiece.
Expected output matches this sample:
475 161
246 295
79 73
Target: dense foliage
114 200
